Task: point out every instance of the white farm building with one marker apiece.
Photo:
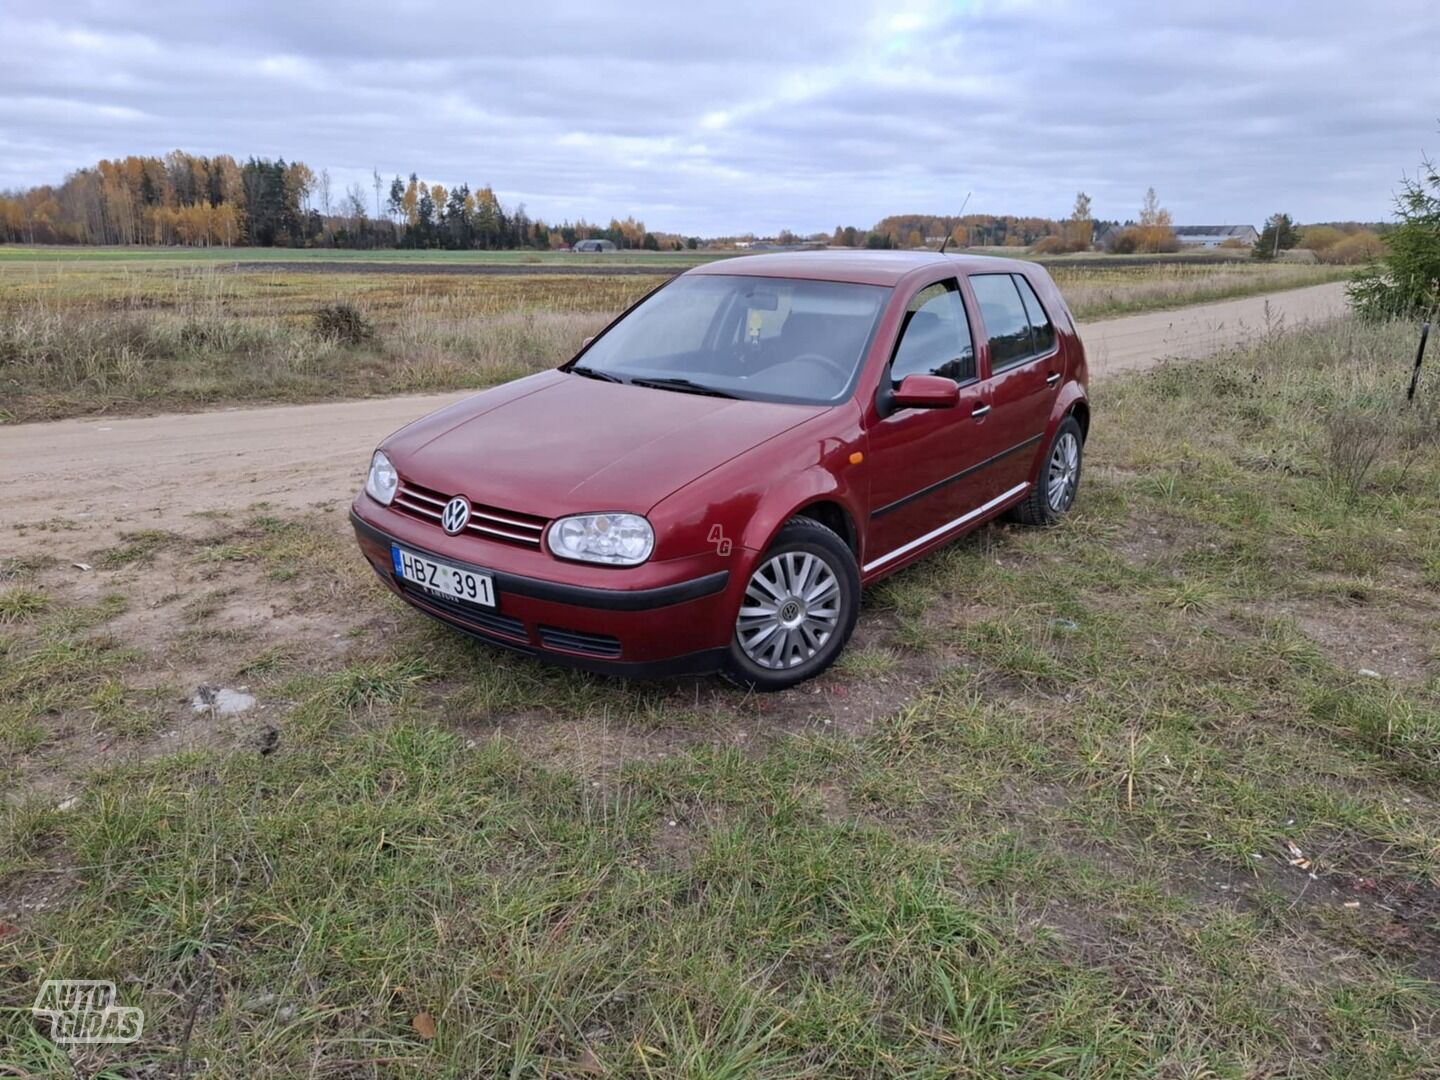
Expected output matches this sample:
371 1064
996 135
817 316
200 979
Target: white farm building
1214 235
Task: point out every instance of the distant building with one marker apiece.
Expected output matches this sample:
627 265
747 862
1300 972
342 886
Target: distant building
593 245
1105 235
769 244
1214 235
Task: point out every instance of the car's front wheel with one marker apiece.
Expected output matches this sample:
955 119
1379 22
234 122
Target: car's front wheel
799 609
1054 491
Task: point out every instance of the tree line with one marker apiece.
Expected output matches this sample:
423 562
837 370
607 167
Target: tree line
193 200
1153 232
971 230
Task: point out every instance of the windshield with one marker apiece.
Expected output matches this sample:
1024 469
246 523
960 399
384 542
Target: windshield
768 339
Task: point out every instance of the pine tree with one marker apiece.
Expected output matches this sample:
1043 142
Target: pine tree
1279 235
1406 280
457 217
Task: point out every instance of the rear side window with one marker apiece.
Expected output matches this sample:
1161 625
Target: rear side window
1005 318
1042 330
935 339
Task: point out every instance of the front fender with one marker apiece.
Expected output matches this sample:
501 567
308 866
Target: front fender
841 486
740 506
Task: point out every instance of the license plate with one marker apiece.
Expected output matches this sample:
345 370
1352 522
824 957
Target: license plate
442 579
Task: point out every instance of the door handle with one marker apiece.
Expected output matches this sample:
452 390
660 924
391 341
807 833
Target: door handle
979 410
1052 378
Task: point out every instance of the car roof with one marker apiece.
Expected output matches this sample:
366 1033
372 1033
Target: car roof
859 267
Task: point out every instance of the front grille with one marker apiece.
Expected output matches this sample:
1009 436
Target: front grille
508 526
467 614
578 641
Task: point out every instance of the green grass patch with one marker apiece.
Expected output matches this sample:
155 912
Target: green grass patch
136 549
1107 800
19 604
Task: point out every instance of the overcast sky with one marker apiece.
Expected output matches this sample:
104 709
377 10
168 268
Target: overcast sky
713 118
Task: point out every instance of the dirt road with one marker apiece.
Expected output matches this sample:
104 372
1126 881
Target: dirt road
1141 341
159 471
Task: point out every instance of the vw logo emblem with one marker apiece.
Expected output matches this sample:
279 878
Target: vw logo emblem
456 515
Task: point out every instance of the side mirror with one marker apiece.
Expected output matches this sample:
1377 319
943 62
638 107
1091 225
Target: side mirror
586 343
926 392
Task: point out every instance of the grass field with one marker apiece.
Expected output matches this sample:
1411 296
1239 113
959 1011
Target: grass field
13 256
116 339
1153 793
93 331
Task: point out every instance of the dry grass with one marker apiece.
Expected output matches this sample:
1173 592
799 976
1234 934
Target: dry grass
1094 293
74 342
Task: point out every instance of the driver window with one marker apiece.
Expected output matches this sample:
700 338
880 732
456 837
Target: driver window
935 338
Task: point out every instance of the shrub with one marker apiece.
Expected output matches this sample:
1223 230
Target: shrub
1320 237
343 323
1126 242
1406 281
1145 239
1059 245
1357 248
1356 441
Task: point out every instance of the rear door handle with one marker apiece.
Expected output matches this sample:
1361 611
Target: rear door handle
1052 378
979 410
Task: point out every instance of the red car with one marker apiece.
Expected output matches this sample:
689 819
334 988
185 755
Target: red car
710 481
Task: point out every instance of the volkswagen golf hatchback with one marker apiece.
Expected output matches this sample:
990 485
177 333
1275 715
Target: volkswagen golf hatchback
712 480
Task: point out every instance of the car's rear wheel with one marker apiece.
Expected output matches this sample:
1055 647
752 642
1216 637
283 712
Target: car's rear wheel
798 611
1054 491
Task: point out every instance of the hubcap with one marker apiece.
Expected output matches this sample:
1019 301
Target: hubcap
791 607
1064 471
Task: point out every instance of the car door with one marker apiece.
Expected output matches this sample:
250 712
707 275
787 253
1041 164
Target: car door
1022 366
927 463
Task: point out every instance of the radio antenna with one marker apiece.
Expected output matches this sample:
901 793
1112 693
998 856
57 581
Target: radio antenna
946 242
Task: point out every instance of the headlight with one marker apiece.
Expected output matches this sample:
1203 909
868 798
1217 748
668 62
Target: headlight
380 485
621 539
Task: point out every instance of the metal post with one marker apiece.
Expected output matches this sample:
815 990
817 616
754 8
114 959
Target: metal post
1419 356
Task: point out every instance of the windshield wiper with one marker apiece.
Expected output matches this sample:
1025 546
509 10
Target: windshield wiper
591 373
685 386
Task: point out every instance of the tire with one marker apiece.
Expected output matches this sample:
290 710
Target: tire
1054 491
816 621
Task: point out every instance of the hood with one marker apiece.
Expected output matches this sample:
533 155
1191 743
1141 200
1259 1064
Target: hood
556 443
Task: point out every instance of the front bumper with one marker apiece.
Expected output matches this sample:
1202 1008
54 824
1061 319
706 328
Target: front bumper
678 628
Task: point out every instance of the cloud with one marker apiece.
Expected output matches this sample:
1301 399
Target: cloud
716 117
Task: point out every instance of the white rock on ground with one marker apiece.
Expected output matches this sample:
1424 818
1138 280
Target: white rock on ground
222 701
